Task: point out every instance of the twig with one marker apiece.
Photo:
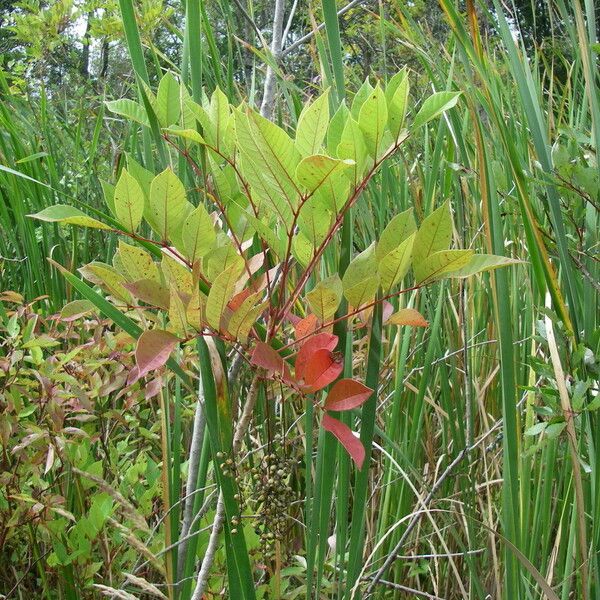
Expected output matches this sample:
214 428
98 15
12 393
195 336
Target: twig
397 586
310 34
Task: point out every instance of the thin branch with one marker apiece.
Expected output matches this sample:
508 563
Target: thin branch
310 34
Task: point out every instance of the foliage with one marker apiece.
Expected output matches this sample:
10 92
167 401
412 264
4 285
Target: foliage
268 258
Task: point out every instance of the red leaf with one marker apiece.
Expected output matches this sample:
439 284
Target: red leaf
306 326
344 434
269 359
322 367
346 394
153 350
238 299
320 341
134 375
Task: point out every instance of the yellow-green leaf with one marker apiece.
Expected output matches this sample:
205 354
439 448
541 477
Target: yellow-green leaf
129 201
372 120
177 275
137 263
177 313
439 263
168 108
61 213
108 277
434 234
325 297
129 109
168 206
361 279
314 171
302 249
396 231
150 291
243 319
196 310
312 126
396 94
352 146
315 220
434 106
187 134
395 264
220 294
198 234
483 262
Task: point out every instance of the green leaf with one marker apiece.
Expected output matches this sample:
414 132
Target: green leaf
130 110
352 146
396 95
315 220
334 192
137 263
129 201
312 126
168 108
313 171
360 97
434 106
361 279
198 234
434 234
325 297
302 249
75 309
61 213
271 152
108 191
268 234
483 262
372 120
167 206
439 263
336 128
187 134
220 294
141 174
395 264
396 231
219 113
222 256
536 429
